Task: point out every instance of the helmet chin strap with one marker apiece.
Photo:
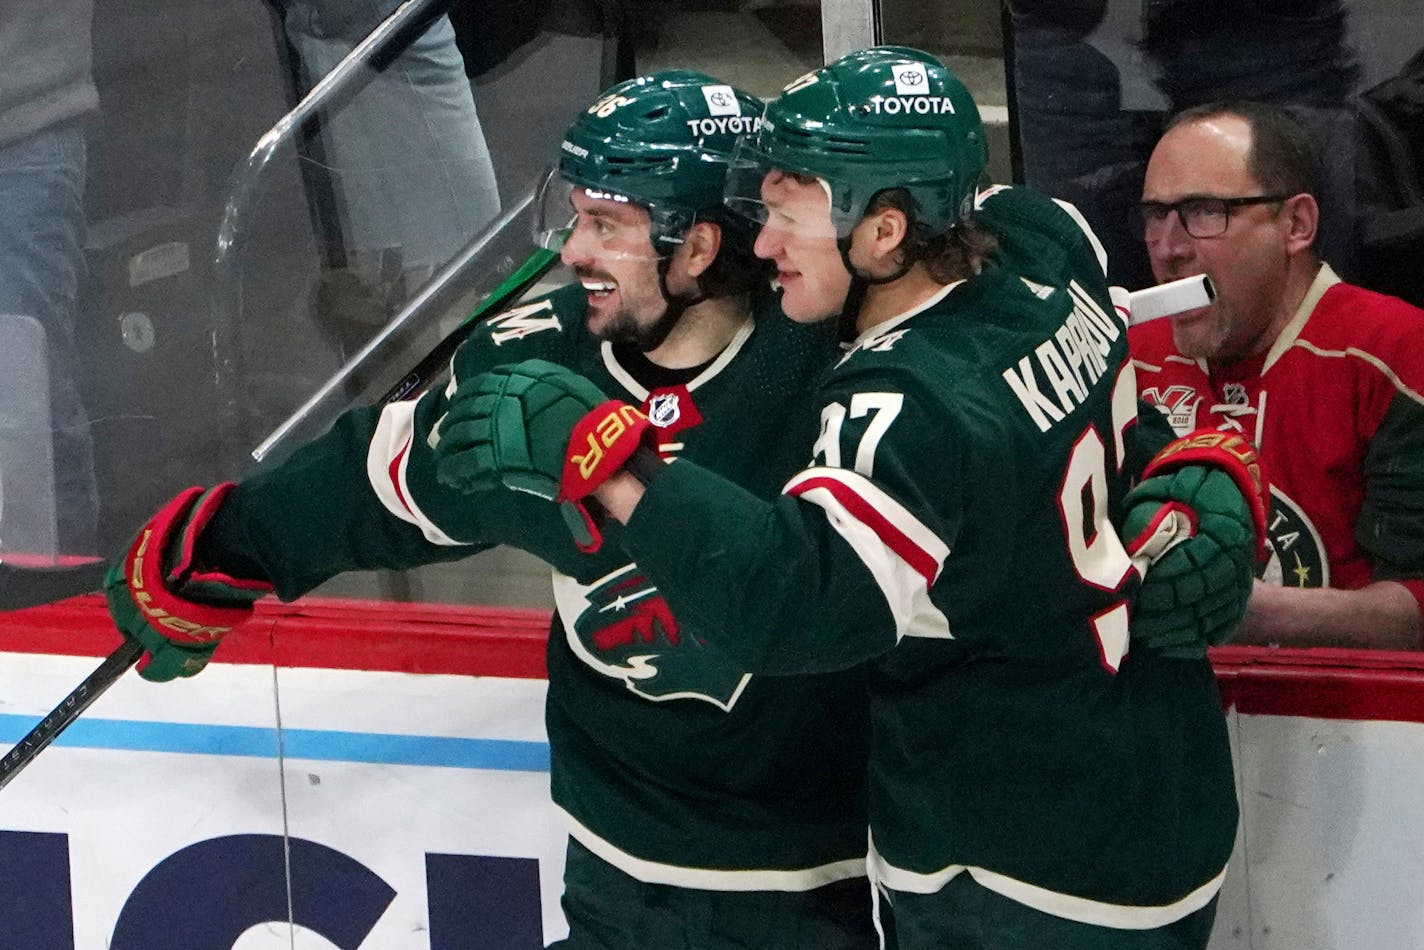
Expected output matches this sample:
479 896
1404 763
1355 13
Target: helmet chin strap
654 336
860 282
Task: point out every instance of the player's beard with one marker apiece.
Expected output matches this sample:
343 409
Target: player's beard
622 326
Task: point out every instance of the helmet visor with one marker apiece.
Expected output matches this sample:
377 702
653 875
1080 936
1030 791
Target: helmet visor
553 211
760 191
590 221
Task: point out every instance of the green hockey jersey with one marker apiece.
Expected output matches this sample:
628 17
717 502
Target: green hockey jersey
671 761
956 528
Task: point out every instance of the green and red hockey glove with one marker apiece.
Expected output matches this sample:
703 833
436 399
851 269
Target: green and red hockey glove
540 428
1194 526
159 597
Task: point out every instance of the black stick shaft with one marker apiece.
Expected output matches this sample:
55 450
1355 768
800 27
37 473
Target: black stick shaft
69 709
434 362
22 587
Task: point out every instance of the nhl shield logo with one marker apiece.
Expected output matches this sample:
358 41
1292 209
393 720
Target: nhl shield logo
671 410
664 409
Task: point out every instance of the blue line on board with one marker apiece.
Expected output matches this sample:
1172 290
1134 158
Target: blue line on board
261 742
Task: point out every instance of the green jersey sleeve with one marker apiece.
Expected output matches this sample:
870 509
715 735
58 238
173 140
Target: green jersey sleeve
840 567
365 496
1391 522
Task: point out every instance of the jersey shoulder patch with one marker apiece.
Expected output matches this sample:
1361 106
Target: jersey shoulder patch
550 327
527 320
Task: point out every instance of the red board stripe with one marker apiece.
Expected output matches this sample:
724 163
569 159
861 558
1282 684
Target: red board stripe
323 634
492 641
1322 683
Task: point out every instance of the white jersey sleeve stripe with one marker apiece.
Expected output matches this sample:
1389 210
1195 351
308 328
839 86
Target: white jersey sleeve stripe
901 554
1098 250
386 460
1380 365
1122 304
902 531
714 879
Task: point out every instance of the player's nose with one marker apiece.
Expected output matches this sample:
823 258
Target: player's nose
769 244
576 250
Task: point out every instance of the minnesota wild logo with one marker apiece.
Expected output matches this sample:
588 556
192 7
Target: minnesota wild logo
620 626
1297 556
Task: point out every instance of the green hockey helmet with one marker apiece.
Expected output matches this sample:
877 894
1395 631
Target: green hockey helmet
662 142
879 118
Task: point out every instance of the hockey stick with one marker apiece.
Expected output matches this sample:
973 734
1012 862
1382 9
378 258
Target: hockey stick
22 587
38 739
430 296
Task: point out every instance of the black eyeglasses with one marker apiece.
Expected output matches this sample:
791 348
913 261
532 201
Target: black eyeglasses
1200 217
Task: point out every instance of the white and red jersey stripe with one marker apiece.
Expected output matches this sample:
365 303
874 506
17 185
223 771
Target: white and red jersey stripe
387 458
903 555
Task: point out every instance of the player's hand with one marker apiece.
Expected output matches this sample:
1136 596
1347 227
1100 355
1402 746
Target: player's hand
540 428
1195 533
1192 532
158 597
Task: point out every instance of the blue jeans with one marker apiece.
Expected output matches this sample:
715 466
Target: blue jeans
408 158
41 265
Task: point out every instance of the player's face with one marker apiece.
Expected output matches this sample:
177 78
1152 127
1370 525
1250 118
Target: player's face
800 240
610 250
1247 263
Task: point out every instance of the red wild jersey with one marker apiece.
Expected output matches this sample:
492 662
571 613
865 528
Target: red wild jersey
1336 410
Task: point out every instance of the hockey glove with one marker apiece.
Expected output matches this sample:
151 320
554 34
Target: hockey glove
537 427
1194 526
158 597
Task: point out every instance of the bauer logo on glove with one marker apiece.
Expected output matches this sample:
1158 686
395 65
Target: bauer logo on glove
1193 525
1230 452
175 608
146 601
599 445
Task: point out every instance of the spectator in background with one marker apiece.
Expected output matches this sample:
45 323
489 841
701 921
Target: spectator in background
1230 191
1095 79
1390 170
46 90
411 173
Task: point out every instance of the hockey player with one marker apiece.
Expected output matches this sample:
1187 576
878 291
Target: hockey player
706 807
1034 784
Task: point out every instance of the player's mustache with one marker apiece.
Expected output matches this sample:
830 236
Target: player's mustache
585 274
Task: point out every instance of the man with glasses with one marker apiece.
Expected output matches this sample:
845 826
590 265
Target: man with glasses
1327 379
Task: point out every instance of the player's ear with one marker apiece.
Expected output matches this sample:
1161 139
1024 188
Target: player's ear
702 243
884 232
